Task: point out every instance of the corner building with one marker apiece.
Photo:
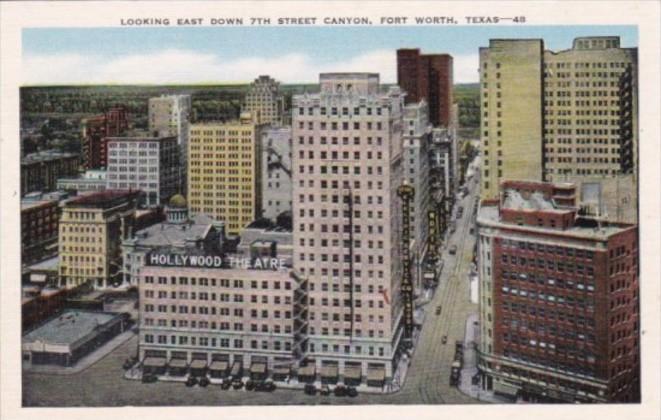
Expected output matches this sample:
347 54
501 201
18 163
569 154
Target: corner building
347 165
558 299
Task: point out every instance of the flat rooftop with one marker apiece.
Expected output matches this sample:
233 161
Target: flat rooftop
69 327
102 199
50 264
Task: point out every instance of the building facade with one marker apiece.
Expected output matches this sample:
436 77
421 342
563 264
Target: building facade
558 298
170 115
149 164
264 238
265 101
276 171
39 229
565 116
221 320
224 176
91 180
347 166
40 171
428 77
178 231
114 122
91 230
417 138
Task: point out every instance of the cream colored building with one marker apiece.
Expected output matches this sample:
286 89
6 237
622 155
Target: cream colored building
347 166
265 101
91 231
563 116
224 174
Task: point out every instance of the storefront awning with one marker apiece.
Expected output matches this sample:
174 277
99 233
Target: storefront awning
352 372
236 367
154 361
219 365
258 368
376 374
198 364
308 370
177 363
329 371
282 370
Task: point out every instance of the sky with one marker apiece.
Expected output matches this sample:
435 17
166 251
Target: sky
181 55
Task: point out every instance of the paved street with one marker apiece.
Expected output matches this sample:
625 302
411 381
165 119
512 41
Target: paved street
427 381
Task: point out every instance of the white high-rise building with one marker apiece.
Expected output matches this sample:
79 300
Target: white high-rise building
347 165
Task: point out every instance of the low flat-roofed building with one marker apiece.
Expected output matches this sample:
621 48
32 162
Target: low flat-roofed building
69 336
263 238
45 272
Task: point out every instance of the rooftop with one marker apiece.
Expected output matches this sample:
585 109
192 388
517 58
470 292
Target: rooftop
50 264
69 327
102 199
174 234
515 201
45 156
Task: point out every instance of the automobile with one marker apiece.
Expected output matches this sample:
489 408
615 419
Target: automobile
438 310
237 383
340 391
444 340
352 392
250 385
453 249
265 386
325 390
226 384
204 382
191 381
310 389
149 378
472 231
128 363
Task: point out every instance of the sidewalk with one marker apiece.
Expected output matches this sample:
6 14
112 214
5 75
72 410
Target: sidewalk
471 340
86 361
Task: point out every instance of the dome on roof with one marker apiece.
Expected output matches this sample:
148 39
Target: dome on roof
177 200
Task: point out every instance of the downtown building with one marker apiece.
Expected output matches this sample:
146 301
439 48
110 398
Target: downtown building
91 230
428 77
41 170
265 101
558 298
170 115
96 130
565 116
149 164
203 313
276 171
347 166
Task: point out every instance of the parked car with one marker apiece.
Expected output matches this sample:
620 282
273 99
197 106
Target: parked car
325 390
191 381
226 384
265 386
340 391
444 340
310 389
453 249
352 392
250 385
237 383
438 310
149 378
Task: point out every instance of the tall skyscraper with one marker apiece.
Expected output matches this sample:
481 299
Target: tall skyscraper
92 228
428 77
150 164
224 174
169 115
566 116
265 101
558 298
347 166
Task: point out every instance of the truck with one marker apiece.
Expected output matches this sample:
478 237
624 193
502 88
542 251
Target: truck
455 373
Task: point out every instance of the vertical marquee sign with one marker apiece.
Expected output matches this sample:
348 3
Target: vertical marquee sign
406 193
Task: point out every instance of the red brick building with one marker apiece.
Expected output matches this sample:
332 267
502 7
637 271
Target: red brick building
558 299
95 132
39 230
428 77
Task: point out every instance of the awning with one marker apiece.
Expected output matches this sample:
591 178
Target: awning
219 365
308 370
505 388
329 371
352 372
38 277
236 367
177 363
258 368
376 374
198 364
154 361
282 370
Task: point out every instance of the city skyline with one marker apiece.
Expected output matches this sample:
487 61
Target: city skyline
61 56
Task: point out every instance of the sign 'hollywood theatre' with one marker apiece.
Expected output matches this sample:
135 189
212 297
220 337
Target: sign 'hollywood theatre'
177 260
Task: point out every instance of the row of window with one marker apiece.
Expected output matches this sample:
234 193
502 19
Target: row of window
203 281
237 343
345 111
